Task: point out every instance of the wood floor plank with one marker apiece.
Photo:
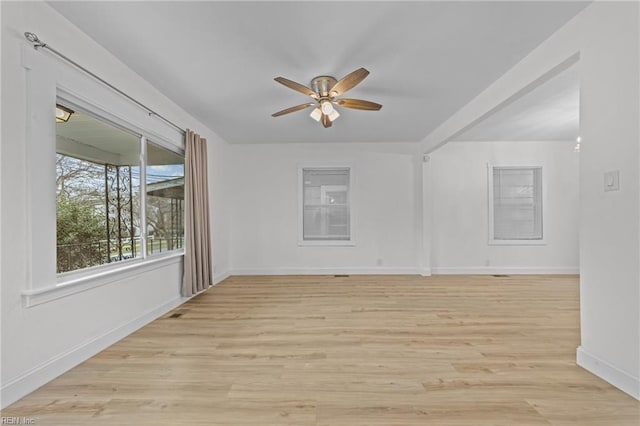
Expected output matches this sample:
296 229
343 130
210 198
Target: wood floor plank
359 350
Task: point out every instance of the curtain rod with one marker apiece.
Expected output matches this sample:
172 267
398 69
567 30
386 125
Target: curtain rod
37 43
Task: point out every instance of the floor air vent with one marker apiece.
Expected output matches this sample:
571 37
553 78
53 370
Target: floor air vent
501 276
179 313
340 276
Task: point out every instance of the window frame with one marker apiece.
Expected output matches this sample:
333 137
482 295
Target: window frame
300 201
47 83
144 138
490 203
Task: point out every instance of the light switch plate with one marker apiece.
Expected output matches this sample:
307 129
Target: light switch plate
612 181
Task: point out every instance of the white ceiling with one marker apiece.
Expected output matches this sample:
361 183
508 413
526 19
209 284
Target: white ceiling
550 112
218 59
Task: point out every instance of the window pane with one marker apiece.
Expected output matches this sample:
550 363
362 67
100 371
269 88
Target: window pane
517 203
98 185
326 204
165 199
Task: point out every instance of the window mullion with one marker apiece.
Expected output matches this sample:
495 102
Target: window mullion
143 196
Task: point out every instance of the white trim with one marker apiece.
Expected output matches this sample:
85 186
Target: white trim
425 272
609 373
84 281
54 367
505 270
285 270
493 242
408 270
327 243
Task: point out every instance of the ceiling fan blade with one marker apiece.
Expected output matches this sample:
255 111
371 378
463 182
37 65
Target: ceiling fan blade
297 87
348 82
325 121
358 104
293 109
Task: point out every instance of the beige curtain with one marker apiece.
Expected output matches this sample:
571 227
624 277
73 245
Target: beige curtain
198 274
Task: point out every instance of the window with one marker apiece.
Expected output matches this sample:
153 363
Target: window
165 199
515 205
100 216
325 203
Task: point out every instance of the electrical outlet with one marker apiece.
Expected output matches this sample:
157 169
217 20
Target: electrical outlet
612 181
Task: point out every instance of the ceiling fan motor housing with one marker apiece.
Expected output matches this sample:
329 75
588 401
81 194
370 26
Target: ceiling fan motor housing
322 84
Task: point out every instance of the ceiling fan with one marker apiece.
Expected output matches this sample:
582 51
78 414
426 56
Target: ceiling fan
325 91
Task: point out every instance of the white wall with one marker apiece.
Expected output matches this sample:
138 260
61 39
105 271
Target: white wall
605 36
41 342
265 208
609 228
459 203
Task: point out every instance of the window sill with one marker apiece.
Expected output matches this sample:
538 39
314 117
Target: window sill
325 243
517 243
73 284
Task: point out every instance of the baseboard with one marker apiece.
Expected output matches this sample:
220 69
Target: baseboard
49 370
607 372
425 272
506 270
386 270
376 270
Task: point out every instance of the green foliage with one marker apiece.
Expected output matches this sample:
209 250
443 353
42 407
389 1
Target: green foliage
78 221
80 228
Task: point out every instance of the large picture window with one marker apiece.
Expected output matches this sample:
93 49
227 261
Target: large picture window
99 207
515 204
326 210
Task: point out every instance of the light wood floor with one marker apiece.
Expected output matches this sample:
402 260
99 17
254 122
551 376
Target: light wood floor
360 350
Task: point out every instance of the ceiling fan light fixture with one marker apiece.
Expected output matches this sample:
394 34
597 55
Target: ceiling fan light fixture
316 114
327 107
62 114
334 114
